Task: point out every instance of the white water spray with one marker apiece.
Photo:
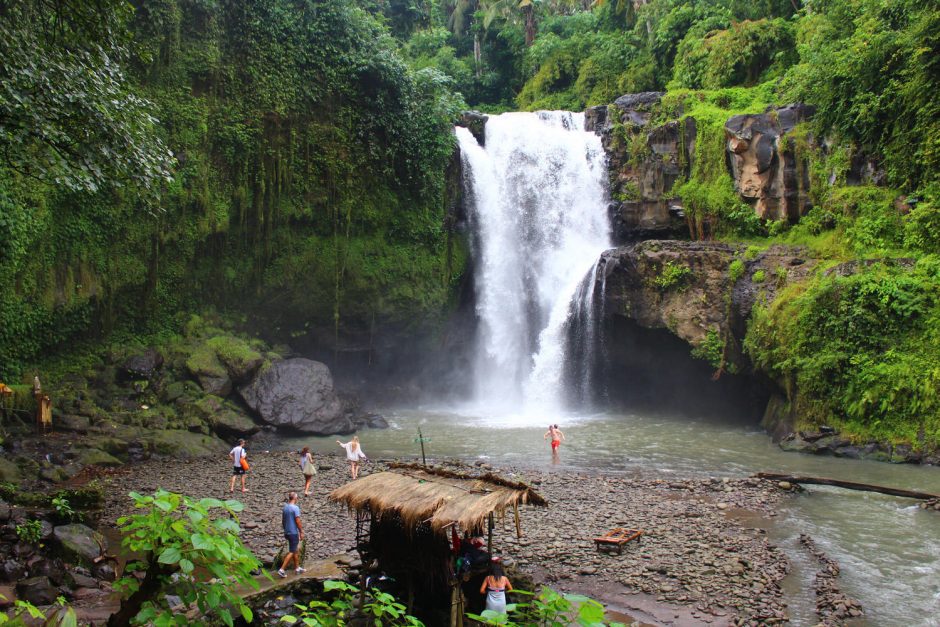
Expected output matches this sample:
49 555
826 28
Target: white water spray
538 210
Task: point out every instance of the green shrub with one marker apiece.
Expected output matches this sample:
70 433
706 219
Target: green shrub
29 531
672 275
858 351
380 608
747 53
735 270
548 607
712 349
759 276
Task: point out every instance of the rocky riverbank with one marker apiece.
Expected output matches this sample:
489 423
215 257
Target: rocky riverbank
703 559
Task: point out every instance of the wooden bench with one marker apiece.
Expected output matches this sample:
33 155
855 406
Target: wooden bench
616 538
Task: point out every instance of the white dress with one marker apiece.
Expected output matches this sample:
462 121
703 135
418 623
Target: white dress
353 455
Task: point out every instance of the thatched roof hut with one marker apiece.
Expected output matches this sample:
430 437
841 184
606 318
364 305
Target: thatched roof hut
404 518
438 497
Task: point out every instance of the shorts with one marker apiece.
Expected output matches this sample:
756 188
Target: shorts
292 541
238 470
556 444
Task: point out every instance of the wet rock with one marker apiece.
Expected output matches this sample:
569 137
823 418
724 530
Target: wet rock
37 590
9 472
298 394
144 365
80 542
475 122
5 511
95 457
12 570
71 422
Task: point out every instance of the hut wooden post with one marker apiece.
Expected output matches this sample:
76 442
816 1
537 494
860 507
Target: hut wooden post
515 513
489 534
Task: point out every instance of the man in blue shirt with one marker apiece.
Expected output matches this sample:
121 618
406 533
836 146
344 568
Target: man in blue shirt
294 532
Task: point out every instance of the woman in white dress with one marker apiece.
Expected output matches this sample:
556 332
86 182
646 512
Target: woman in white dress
308 468
354 454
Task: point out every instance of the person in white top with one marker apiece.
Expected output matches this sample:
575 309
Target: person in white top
354 454
237 454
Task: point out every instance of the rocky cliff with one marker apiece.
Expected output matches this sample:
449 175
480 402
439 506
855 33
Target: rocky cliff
702 292
651 150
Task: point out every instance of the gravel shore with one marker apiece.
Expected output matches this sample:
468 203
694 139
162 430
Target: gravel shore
703 559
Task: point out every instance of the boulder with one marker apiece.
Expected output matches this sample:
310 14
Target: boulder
298 394
95 457
766 170
9 472
5 511
232 424
12 570
204 364
185 444
37 590
143 365
236 355
80 542
71 422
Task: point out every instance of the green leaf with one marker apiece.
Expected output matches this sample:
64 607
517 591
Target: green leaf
170 555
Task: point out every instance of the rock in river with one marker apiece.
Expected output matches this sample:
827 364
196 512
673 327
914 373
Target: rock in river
298 394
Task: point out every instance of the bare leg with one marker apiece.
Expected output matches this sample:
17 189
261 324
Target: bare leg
307 486
355 469
287 559
231 485
244 489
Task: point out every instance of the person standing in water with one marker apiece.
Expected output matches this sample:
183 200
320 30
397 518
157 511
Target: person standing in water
237 454
293 533
557 438
495 586
308 468
354 454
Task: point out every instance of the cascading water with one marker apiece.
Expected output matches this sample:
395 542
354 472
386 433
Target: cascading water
538 197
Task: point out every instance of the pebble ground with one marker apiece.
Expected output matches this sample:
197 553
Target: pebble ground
703 553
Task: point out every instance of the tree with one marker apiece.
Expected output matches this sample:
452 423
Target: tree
183 541
67 114
507 9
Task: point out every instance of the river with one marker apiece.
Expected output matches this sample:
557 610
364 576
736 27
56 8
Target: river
888 548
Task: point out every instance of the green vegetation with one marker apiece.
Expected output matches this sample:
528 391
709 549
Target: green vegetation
861 352
673 275
190 549
29 531
548 608
735 271
310 172
379 608
712 349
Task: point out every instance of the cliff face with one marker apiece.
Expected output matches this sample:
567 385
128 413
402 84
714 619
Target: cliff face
702 292
650 152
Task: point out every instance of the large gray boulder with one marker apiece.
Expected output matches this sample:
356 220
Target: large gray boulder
297 394
80 542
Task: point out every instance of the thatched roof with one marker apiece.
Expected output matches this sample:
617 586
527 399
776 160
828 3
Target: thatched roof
439 497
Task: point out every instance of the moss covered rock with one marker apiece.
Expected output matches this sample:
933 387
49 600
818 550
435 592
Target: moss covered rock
236 355
96 457
204 364
185 444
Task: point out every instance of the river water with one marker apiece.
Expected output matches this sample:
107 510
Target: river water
888 548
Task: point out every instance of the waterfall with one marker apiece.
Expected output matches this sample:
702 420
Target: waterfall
537 193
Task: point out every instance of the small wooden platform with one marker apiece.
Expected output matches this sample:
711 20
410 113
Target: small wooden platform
616 538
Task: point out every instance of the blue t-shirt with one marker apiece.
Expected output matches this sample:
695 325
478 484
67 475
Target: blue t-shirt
289 519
